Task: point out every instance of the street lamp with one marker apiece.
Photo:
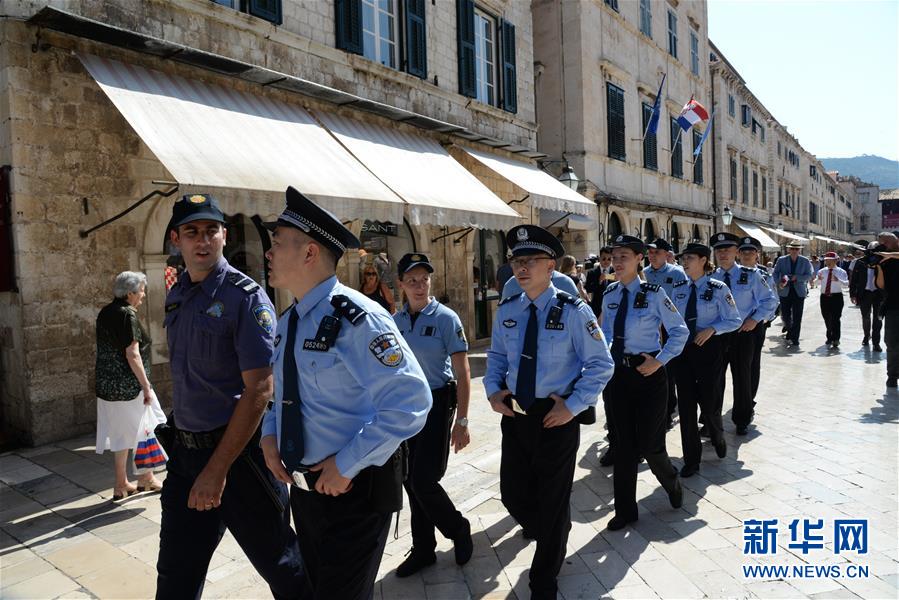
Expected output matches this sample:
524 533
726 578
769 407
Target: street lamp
569 178
727 216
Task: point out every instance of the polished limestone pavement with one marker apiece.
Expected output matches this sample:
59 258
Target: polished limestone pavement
824 445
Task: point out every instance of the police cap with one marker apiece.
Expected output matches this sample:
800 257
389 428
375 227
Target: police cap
697 249
660 244
629 241
750 243
724 239
316 222
524 240
410 261
195 207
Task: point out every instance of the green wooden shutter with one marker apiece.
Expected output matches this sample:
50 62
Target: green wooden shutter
465 37
348 17
510 79
270 10
416 39
615 121
650 155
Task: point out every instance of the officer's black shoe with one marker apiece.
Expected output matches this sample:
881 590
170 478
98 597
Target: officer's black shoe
891 382
865 342
463 546
877 348
742 430
689 470
619 522
721 448
607 459
676 496
415 562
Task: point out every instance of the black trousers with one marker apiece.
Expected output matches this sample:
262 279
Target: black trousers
872 318
699 371
832 311
760 332
342 540
791 313
639 406
536 474
891 338
430 505
610 421
740 348
672 387
253 509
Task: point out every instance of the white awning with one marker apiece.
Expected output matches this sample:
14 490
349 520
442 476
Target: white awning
787 234
437 189
545 190
837 242
755 231
211 136
571 221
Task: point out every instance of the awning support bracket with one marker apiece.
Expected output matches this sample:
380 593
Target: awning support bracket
173 187
562 218
465 230
510 202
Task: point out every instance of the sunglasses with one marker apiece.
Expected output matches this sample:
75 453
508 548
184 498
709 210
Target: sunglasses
371 274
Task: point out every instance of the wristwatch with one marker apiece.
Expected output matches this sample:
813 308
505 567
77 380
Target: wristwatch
462 421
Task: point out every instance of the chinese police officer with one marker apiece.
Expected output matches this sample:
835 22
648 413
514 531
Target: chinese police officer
709 311
348 392
546 365
436 336
749 257
219 325
756 302
632 313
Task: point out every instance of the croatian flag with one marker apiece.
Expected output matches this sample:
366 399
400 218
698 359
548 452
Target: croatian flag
693 113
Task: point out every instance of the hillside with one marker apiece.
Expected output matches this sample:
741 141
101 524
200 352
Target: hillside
869 168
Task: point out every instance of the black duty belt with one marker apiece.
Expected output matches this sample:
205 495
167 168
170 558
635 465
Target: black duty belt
634 360
199 440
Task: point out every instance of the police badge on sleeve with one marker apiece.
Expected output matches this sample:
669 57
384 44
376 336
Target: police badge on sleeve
387 350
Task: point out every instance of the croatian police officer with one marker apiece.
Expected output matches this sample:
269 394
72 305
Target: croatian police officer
546 365
665 275
749 249
710 312
632 313
436 336
756 302
348 391
219 325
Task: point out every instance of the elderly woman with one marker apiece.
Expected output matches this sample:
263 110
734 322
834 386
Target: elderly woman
122 380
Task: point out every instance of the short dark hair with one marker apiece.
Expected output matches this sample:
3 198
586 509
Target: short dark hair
605 250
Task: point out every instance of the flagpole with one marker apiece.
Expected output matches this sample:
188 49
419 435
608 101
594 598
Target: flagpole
657 101
676 139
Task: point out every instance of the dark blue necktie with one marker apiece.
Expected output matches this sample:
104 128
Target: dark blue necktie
291 416
691 313
526 384
727 280
618 329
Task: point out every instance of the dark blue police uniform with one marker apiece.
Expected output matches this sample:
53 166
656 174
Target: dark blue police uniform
218 328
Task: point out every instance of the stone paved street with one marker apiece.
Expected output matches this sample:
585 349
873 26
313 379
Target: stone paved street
823 446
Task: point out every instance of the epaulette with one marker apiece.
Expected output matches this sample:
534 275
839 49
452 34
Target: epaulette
612 286
762 269
346 308
569 299
650 287
510 298
747 269
715 283
680 283
245 283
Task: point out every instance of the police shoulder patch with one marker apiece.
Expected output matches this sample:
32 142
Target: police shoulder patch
730 300
670 305
594 330
265 317
386 348
460 333
650 287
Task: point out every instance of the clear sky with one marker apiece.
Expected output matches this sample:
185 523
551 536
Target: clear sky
825 69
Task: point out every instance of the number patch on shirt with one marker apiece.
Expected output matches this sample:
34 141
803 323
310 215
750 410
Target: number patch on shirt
387 350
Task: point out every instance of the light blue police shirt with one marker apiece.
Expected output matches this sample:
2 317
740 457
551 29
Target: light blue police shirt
715 305
436 335
769 278
361 397
572 356
562 282
754 297
666 277
641 325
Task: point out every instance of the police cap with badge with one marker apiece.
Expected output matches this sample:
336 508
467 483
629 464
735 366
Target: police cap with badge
660 244
316 222
195 207
750 243
697 249
629 241
410 261
725 239
527 240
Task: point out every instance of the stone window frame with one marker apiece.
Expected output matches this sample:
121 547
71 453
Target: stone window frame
483 89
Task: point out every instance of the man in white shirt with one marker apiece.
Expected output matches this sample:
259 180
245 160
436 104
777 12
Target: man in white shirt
832 279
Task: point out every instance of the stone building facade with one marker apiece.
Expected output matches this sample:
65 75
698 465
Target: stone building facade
598 70
76 161
867 219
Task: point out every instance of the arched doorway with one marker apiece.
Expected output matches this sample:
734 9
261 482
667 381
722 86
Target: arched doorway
649 230
675 237
614 228
696 236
